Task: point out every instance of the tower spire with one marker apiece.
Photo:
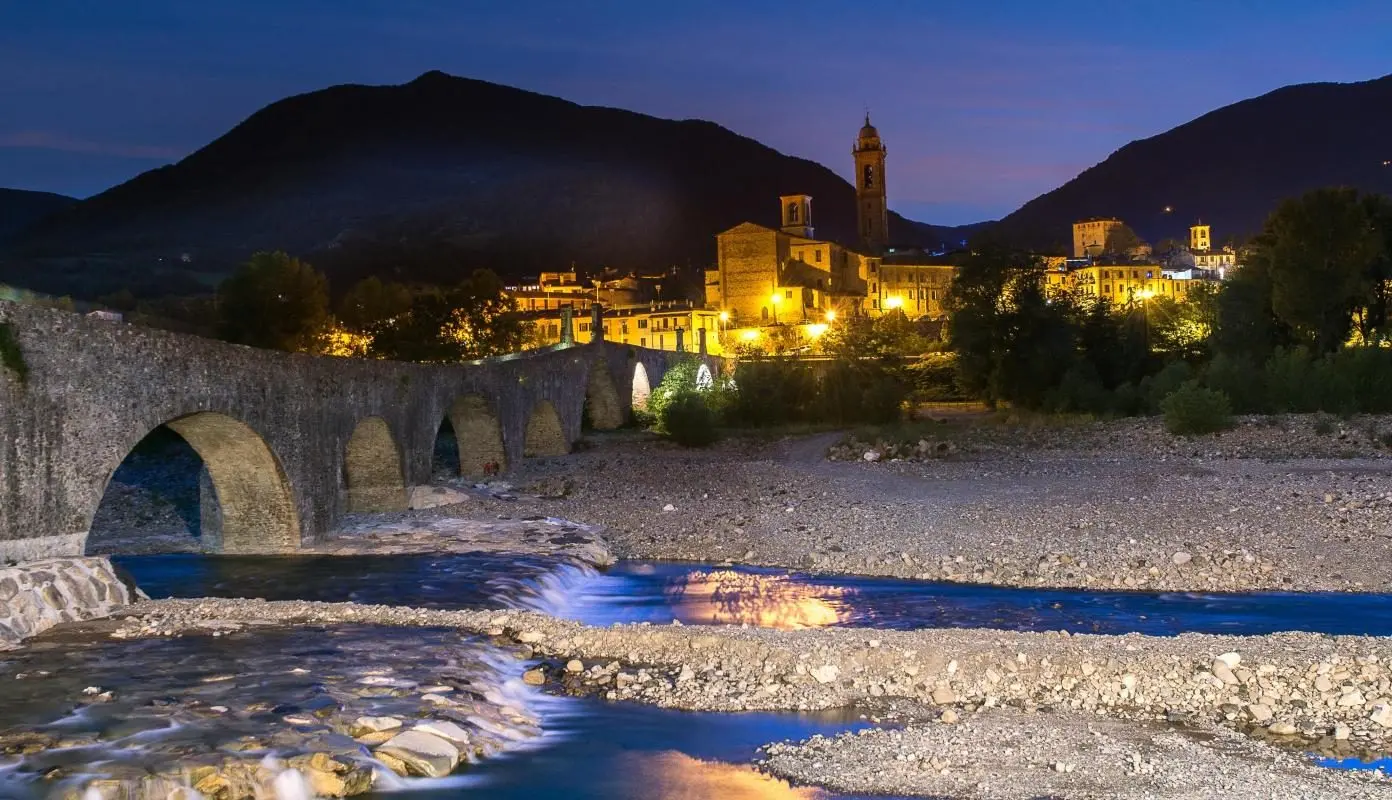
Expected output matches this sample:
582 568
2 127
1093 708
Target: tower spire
872 210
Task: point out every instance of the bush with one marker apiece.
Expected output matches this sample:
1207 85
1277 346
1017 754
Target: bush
1239 379
1191 409
857 392
687 420
771 391
1289 381
1081 392
1164 383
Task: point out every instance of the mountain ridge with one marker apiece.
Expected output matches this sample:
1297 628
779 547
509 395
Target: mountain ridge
442 175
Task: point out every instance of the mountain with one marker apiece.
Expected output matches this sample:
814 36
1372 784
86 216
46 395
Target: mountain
428 180
20 208
1230 167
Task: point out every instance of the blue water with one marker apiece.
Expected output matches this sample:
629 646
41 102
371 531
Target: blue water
619 751
646 591
1384 764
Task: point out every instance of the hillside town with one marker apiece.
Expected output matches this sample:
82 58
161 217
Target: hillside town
784 285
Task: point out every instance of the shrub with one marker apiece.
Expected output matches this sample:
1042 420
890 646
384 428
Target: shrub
1081 392
1191 409
1239 379
1164 383
1290 382
771 391
858 391
687 420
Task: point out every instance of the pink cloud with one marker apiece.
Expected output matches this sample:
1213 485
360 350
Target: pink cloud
48 140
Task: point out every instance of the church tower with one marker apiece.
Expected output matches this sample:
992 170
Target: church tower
872 209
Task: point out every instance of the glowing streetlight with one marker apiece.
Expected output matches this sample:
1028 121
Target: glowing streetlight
749 335
724 316
831 315
894 302
816 329
1146 294
775 299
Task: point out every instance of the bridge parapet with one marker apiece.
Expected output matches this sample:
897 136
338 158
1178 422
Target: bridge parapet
274 429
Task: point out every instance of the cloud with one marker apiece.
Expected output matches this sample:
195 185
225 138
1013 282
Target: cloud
48 140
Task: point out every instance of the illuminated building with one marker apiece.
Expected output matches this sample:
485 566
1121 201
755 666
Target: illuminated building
660 326
1090 236
872 208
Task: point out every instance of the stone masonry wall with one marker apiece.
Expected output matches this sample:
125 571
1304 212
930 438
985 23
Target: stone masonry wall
94 388
39 595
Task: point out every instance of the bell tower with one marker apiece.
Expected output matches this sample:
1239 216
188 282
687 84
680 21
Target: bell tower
872 209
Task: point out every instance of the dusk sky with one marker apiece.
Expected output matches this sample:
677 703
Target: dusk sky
983 104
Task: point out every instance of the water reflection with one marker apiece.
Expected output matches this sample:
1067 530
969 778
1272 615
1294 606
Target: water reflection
677 776
727 597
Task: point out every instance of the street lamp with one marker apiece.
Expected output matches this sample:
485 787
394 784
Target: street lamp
831 315
775 299
724 318
894 302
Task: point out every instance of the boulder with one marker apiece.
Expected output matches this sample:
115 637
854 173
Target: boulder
434 496
424 754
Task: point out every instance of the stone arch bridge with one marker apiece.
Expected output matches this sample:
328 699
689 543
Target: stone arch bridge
290 442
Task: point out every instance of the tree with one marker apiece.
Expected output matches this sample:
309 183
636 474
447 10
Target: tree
1183 327
890 334
371 305
1320 251
474 319
1121 240
276 302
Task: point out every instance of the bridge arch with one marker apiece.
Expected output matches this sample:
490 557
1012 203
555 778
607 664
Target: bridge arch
253 504
479 436
545 435
602 398
372 468
642 389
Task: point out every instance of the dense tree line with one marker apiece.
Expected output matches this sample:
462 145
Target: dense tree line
278 302
1315 281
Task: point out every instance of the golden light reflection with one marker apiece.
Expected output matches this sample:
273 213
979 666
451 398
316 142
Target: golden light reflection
677 776
726 597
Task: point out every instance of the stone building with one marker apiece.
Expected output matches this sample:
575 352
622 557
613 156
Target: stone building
872 202
1090 235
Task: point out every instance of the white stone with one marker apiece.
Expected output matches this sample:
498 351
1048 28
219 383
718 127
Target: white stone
1224 674
1181 558
1231 660
1282 729
871 455
1342 732
575 665
1382 715
377 724
446 730
434 496
424 754
826 673
1353 698
531 637
669 507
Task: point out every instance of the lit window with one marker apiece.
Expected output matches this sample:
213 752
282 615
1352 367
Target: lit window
642 323
817 255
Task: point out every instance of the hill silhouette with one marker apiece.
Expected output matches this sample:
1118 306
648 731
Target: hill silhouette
20 208
1229 167
429 180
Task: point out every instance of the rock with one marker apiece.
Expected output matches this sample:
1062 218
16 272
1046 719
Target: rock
686 674
826 673
1181 558
871 455
531 637
575 666
424 754
1342 732
422 497
1259 712
446 730
1230 660
944 696
1224 674
534 677
1282 729
949 717
1353 698
1382 715
669 507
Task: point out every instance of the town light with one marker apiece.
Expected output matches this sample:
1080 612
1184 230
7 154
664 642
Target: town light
831 315
724 316
816 329
775 298
749 335
894 302
1145 294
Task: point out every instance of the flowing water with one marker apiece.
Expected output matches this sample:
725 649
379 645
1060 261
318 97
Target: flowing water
659 592
73 710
